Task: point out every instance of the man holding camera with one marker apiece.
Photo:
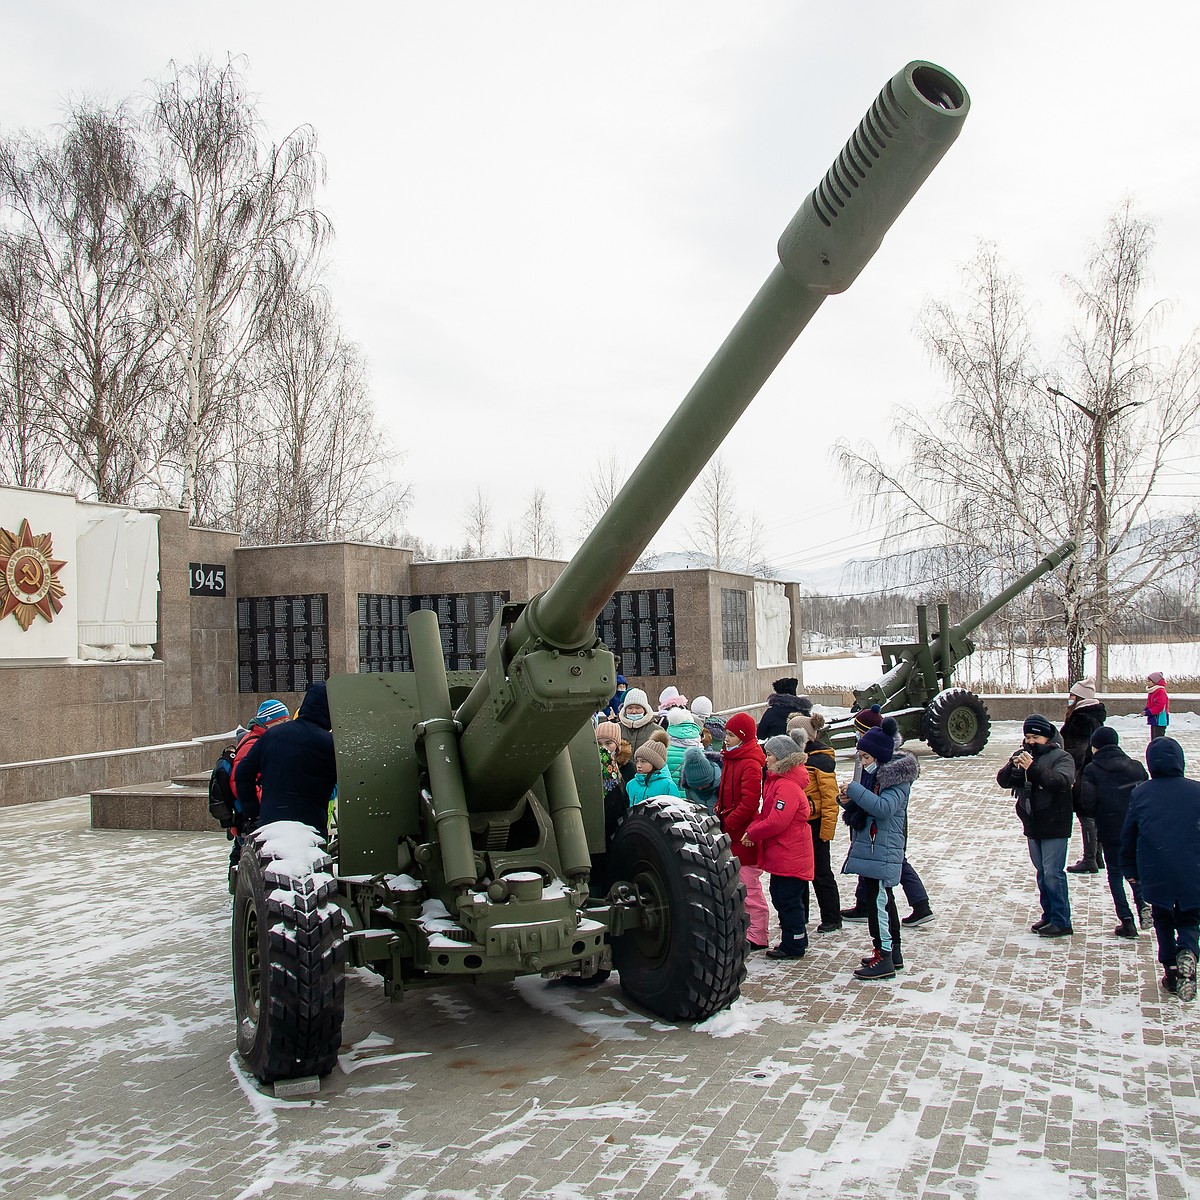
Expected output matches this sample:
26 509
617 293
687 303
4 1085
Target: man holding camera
1041 775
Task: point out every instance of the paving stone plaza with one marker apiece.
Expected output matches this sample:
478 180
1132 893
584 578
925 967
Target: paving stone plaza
996 1065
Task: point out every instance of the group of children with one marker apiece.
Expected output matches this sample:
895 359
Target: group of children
778 800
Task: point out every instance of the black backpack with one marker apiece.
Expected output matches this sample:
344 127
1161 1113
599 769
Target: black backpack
221 803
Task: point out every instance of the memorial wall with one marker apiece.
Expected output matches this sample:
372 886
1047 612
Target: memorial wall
125 629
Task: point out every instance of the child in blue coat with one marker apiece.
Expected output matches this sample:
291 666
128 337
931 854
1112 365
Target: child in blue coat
652 778
876 809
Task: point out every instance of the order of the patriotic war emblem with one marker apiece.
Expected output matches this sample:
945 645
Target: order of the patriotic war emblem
29 582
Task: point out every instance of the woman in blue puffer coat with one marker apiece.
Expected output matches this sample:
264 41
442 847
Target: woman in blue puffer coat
876 811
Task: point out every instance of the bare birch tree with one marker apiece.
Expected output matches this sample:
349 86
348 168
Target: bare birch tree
28 438
604 481
108 391
316 463
1005 471
477 525
239 216
538 527
711 518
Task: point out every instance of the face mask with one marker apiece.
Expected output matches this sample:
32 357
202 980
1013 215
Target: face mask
634 711
869 769
732 743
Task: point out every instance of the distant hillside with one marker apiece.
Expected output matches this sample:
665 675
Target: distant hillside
823 581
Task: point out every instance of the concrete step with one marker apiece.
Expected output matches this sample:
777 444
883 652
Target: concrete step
195 779
165 805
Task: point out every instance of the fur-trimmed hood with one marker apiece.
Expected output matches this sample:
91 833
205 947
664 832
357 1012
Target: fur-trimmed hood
782 766
901 768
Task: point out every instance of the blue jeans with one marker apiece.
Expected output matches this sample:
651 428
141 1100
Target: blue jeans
1049 858
1116 882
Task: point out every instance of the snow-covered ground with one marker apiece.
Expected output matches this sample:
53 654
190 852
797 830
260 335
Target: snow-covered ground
998 1066
1024 672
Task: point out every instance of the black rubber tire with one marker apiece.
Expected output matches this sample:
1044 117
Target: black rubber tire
289 966
692 962
956 723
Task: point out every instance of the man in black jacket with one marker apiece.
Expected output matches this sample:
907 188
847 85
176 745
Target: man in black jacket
294 764
1105 787
1041 775
781 704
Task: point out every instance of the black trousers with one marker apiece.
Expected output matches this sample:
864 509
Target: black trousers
824 884
790 897
875 897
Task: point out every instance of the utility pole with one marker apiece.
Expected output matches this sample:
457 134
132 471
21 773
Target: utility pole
1101 418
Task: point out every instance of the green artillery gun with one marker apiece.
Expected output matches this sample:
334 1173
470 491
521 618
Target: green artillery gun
917 686
471 837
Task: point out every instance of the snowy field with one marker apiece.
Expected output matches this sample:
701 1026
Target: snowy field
997 1066
1025 672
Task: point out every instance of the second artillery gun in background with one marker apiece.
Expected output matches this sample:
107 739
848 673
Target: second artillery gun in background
471 837
917 686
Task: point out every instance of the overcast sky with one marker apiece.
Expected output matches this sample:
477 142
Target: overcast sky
548 215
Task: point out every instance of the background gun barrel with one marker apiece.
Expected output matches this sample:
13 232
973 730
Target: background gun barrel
903 136
972 622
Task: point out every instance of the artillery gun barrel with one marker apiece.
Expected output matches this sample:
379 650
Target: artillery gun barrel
530 702
904 135
911 124
972 622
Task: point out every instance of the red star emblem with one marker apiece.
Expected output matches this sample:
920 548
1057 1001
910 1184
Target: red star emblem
29 582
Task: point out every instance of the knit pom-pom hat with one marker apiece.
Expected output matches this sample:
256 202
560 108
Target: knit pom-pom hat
869 718
879 745
651 751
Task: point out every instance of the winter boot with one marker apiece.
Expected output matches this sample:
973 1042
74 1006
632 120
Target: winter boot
830 926
1084 867
1185 968
782 951
1170 979
1038 926
855 914
920 915
897 959
1126 929
1145 915
880 967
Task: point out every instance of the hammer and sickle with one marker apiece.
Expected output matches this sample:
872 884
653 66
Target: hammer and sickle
29 576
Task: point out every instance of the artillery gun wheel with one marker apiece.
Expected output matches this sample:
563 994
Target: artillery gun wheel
956 723
289 956
688 961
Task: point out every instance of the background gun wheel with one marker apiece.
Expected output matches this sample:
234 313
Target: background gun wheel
956 723
688 960
289 965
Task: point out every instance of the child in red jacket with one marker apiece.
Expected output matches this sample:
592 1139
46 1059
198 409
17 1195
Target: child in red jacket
739 797
783 838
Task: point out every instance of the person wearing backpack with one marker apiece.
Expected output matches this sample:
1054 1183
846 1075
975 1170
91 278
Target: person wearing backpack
270 712
223 801
291 766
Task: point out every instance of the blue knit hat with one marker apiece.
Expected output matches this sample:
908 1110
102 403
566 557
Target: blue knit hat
271 710
879 745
